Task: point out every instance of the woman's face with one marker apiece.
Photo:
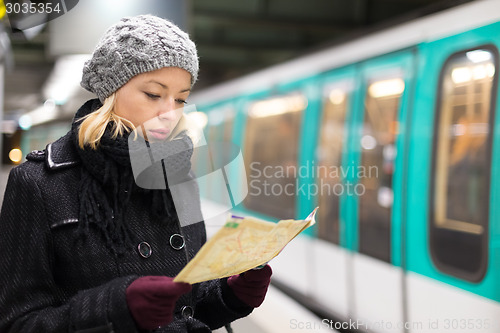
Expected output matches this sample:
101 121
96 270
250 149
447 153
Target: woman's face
155 100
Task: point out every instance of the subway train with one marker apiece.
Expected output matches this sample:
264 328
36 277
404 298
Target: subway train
394 135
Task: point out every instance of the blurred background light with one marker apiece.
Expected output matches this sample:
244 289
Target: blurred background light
368 142
64 81
16 155
478 56
337 96
386 88
198 119
276 106
25 122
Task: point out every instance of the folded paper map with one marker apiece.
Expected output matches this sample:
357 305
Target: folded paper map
243 243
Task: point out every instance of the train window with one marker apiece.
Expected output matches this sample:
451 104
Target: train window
378 153
221 124
197 122
270 154
228 128
219 129
461 164
329 155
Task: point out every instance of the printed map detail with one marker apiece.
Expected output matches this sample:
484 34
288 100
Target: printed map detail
242 244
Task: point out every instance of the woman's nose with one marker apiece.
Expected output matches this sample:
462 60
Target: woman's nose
167 110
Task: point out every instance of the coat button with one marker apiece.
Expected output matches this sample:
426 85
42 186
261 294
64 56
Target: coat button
177 241
187 311
144 249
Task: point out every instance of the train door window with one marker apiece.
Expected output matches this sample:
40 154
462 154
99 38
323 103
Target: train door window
329 157
214 126
461 164
272 137
220 123
228 126
198 122
378 153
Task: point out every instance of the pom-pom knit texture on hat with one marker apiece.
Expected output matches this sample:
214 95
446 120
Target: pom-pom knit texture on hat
137 45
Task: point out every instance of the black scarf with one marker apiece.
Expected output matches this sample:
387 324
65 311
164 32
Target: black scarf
107 182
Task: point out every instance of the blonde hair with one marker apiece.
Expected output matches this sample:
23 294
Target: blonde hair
94 125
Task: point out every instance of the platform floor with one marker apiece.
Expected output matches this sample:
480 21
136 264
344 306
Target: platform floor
279 314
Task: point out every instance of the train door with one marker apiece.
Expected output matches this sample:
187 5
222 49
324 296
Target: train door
375 173
274 123
453 242
330 288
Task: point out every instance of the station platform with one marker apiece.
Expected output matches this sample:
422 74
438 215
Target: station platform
279 314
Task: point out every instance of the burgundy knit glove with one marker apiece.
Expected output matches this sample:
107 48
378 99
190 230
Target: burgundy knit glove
251 286
151 300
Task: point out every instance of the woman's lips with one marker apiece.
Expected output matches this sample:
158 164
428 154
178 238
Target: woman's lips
159 134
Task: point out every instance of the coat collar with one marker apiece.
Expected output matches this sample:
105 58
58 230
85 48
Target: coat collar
61 154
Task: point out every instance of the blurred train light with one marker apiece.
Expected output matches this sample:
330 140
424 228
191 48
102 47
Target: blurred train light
478 72
458 129
385 197
368 142
49 104
490 70
64 81
461 75
216 117
277 106
198 119
42 114
25 122
337 96
386 88
389 152
472 129
477 56
16 155
479 128
483 71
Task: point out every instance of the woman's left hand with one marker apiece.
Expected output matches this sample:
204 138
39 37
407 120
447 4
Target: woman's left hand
251 286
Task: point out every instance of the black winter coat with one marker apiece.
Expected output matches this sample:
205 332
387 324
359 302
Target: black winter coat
53 280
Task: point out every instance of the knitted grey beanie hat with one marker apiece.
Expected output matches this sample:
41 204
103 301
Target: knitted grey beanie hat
136 45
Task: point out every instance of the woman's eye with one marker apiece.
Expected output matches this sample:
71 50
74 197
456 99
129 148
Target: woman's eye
181 101
152 96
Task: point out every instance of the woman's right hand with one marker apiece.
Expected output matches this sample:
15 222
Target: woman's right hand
151 300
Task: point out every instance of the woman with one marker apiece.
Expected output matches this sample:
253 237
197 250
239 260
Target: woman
84 248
